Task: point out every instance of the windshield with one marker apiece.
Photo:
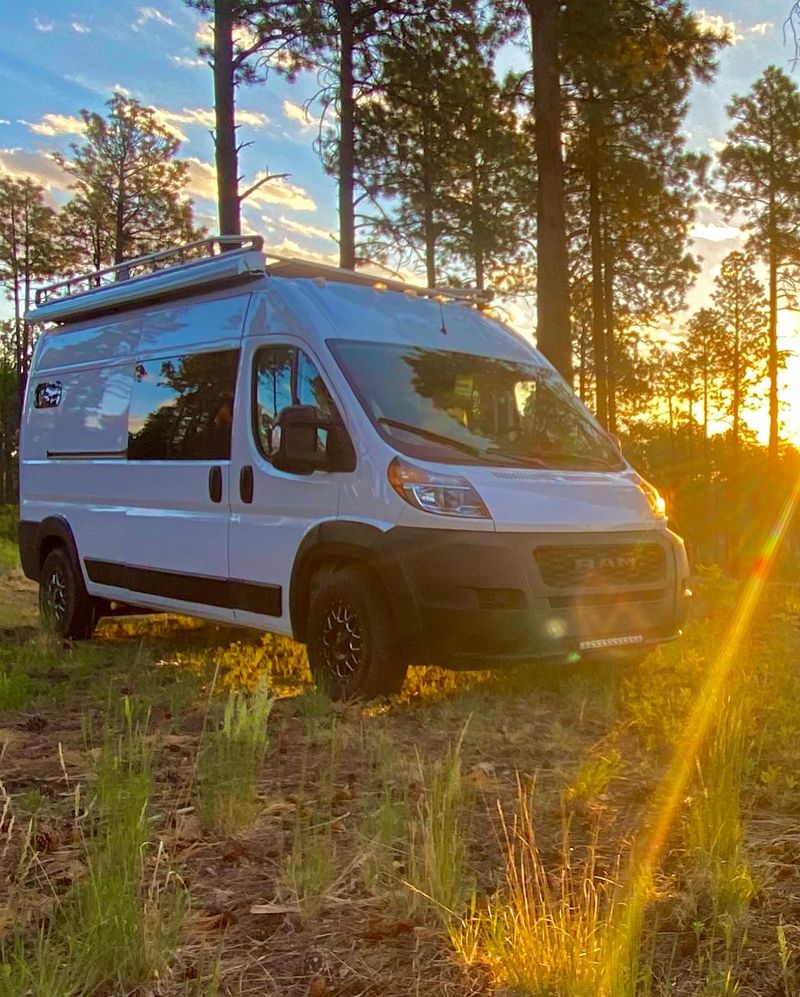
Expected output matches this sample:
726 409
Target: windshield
461 408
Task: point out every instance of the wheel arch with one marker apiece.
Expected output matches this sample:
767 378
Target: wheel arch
54 531
344 542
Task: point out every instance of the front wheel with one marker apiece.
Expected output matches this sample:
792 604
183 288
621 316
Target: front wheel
66 608
352 649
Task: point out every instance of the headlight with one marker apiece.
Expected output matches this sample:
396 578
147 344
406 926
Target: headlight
441 494
654 498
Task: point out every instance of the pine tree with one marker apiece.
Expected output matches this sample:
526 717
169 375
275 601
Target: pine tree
630 65
442 157
760 173
742 311
127 184
29 253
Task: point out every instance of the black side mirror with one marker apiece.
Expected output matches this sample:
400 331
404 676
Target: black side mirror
309 443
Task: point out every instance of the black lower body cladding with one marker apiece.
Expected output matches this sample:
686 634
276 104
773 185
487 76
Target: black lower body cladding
474 599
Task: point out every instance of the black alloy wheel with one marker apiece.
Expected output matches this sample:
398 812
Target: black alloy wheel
352 647
65 607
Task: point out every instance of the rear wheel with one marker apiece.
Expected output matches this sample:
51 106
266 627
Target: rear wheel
352 649
65 607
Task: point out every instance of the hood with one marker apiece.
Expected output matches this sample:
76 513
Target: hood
557 501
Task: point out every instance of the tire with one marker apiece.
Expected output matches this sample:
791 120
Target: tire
65 607
352 648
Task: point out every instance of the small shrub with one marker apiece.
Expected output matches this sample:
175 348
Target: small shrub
121 920
229 760
438 848
385 831
593 777
546 933
719 876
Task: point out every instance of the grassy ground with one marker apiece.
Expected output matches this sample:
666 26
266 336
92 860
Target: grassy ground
181 815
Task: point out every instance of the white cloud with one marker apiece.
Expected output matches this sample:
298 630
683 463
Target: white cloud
716 24
298 114
204 35
310 231
39 166
288 247
202 179
282 192
761 28
80 29
202 183
716 145
151 14
204 118
187 63
711 232
57 124
44 26
242 36
4 121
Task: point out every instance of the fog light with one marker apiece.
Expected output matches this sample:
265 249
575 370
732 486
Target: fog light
556 629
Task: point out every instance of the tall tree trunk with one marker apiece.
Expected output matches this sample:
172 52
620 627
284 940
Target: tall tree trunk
582 386
347 223
737 391
553 333
772 362
477 228
119 218
429 233
225 151
596 251
610 323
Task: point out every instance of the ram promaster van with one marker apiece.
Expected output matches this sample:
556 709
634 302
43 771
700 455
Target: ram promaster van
387 474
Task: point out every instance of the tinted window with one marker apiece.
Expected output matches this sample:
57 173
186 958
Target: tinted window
285 376
182 407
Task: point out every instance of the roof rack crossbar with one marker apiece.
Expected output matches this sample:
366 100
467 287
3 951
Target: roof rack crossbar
143 265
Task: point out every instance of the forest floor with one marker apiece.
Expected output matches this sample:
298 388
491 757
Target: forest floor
479 834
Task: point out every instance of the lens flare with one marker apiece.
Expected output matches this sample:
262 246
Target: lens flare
673 787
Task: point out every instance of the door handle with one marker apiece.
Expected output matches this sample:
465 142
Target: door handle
246 484
215 484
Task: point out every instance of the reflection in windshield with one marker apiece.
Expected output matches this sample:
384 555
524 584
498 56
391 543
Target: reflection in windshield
462 408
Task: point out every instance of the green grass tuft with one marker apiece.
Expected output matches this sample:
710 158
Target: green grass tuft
229 760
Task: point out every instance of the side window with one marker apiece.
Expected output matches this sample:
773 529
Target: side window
47 395
182 407
285 376
311 388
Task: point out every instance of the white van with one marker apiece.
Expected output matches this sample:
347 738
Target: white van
384 473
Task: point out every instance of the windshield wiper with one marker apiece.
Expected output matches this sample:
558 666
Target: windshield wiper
428 434
590 459
521 459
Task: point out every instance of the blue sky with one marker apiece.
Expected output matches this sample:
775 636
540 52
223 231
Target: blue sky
57 56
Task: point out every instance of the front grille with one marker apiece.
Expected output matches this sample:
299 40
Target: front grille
598 565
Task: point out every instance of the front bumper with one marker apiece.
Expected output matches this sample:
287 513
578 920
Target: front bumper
470 600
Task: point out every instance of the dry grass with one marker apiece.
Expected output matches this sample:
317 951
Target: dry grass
295 885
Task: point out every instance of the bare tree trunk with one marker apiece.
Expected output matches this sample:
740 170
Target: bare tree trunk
225 151
582 386
347 228
596 251
553 331
772 362
119 221
610 322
